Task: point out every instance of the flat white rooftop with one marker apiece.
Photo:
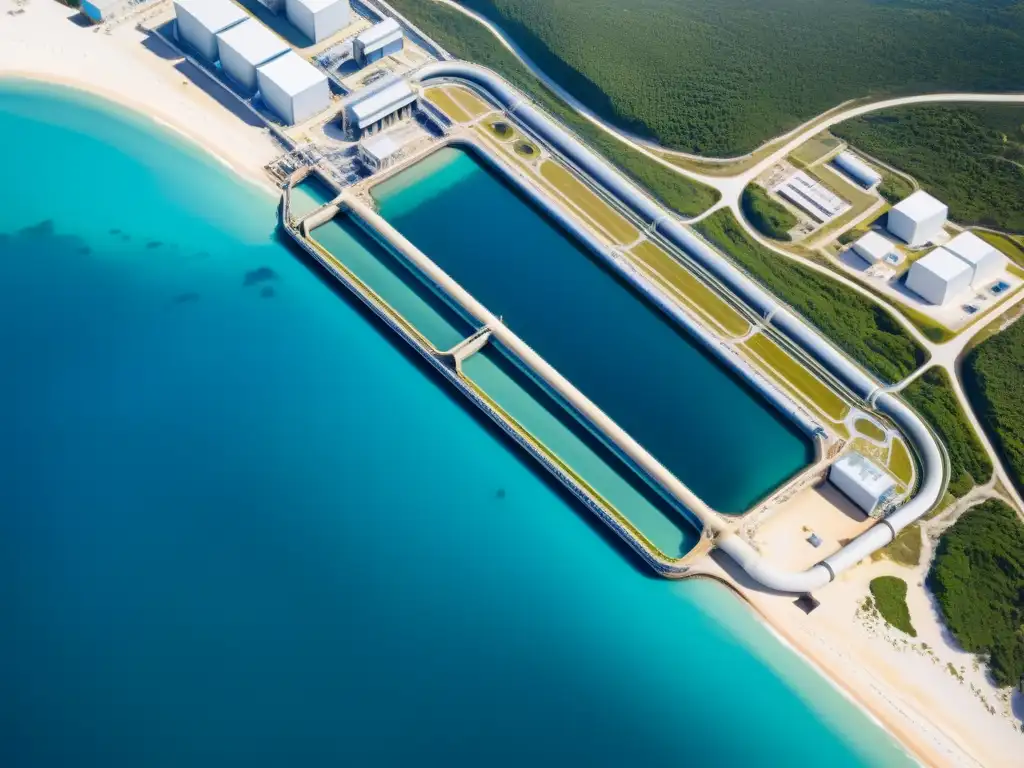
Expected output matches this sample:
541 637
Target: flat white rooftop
380 146
873 246
812 197
944 264
254 42
214 15
920 206
389 28
382 102
292 73
316 5
969 247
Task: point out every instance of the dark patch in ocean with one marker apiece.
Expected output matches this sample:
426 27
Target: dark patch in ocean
268 292
185 298
85 250
42 229
126 238
154 244
114 231
500 493
257 276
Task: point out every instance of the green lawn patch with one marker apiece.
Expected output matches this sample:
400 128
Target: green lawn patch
769 217
870 429
900 463
933 397
978 581
852 322
890 595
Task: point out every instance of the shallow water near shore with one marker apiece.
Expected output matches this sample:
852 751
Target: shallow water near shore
240 524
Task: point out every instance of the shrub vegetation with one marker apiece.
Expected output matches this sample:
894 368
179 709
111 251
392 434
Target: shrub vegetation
978 579
852 322
994 375
719 77
465 38
932 395
890 595
970 157
769 217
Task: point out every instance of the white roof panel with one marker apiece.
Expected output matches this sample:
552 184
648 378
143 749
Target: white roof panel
292 73
254 42
944 264
214 15
318 5
380 32
874 244
381 102
380 146
920 206
865 473
969 247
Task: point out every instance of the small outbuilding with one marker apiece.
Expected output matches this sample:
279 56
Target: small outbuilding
939 277
378 106
246 46
378 41
379 152
874 248
200 21
293 88
917 219
101 10
857 169
318 19
863 482
986 263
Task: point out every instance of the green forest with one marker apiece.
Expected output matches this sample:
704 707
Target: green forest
933 397
994 379
852 322
890 595
769 217
978 579
468 40
720 77
970 157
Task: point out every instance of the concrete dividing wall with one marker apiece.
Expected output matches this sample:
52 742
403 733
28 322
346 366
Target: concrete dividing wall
849 374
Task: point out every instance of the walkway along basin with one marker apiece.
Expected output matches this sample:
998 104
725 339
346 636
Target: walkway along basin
718 436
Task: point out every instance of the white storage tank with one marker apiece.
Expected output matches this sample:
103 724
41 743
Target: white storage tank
293 88
939 277
918 218
862 481
199 22
246 46
857 169
985 261
318 19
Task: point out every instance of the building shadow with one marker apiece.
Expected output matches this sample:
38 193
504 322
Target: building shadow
79 19
217 91
158 47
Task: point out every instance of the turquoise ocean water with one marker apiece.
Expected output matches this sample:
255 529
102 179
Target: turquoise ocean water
239 525
716 435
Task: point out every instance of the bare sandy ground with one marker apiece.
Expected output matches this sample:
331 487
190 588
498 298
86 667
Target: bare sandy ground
932 696
47 42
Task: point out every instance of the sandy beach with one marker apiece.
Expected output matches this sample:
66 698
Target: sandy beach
932 696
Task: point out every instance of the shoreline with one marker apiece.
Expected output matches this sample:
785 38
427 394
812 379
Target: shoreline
154 92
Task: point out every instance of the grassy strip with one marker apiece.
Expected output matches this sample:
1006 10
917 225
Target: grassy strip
933 397
900 463
468 40
769 217
994 378
602 214
802 380
905 549
890 595
443 100
869 429
978 581
854 323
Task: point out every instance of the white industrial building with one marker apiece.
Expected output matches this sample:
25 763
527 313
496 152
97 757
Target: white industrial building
812 197
378 106
318 19
918 218
857 169
378 41
293 88
200 21
986 263
379 152
246 46
939 276
862 481
874 248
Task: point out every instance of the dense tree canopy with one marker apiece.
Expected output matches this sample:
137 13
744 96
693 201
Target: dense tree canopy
769 217
720 77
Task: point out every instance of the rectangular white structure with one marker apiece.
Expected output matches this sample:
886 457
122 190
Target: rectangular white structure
378 106
199 21
318 19
874 248
939 277
857 169
246 46
812 197
918 218
379 151
293 88
986 263
862 481
378 41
